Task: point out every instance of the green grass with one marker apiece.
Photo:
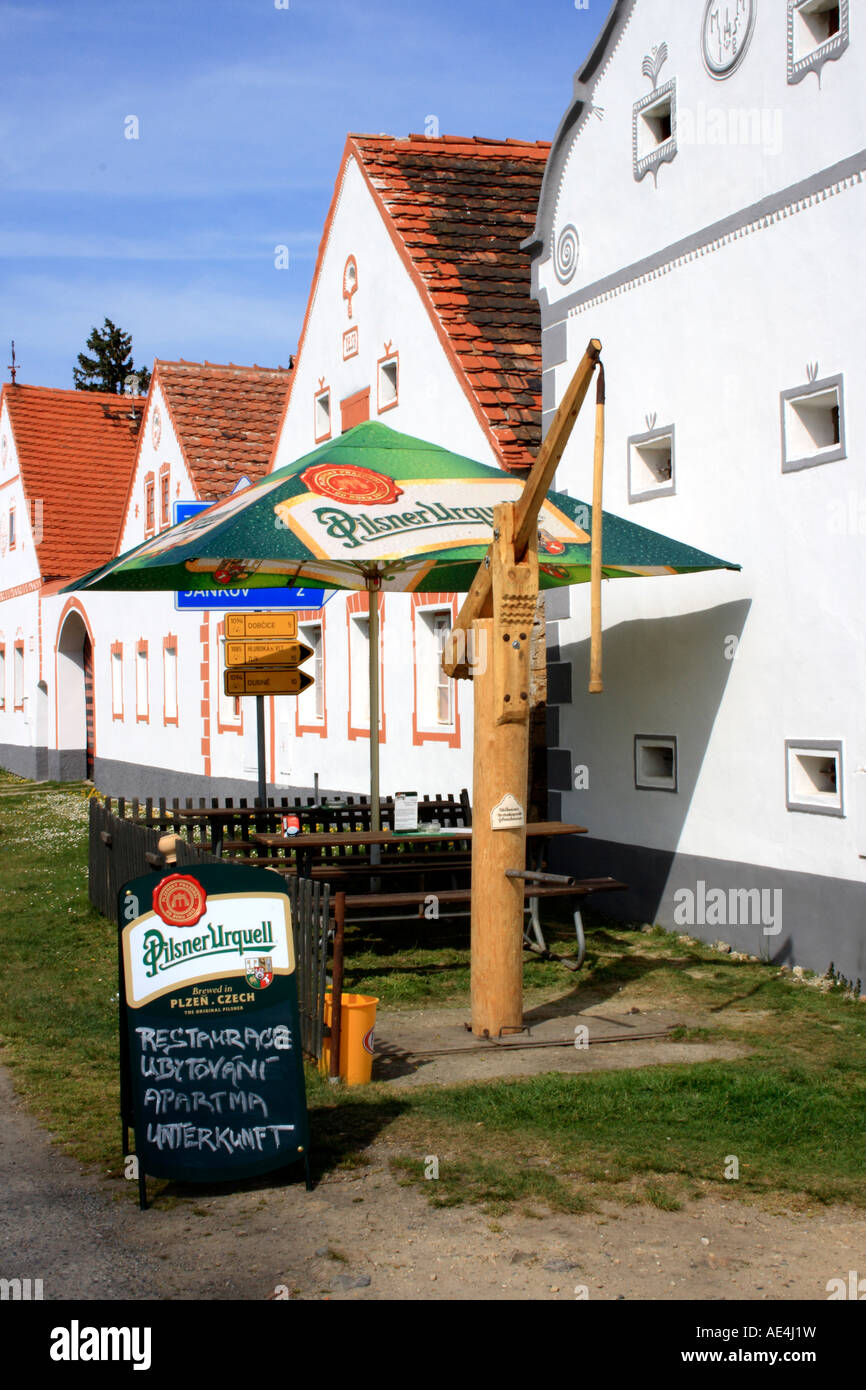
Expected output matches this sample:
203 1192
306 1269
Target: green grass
792 1110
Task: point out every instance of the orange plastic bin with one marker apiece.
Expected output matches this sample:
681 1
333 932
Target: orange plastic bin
357 1025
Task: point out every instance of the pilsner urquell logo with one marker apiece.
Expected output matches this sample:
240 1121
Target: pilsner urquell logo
356 530
160 953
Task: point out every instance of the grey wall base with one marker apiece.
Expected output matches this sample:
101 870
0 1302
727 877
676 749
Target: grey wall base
823 920
24 762
115 778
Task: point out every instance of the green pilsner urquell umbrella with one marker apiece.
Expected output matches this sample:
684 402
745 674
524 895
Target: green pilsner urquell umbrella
381 511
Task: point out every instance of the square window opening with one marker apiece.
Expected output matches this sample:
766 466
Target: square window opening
651 465
813 424
655 127
815 24
815 778
388 383
655 763
323 415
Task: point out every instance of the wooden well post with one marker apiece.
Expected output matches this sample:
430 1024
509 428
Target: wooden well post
490 644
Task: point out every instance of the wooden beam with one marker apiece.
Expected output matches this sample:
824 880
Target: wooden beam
456 660
596 685
500 767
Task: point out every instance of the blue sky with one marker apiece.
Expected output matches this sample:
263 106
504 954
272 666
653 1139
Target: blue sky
243 110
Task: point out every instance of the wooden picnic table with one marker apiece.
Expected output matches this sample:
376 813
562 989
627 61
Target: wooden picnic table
306 844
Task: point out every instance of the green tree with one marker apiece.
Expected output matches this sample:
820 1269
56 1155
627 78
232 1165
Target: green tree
111 364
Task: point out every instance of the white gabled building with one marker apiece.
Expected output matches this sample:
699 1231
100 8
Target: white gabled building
419 315
702 214
165 726
66 460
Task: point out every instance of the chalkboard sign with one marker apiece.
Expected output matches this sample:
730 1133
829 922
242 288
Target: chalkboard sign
212 1070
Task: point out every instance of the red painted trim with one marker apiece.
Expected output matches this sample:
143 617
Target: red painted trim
169 643
20 589
204 638
317 616
10 481
164 496
359 602
18 647
355 409
239 704
317 395
311 297
349 333
419 735
149 504
143 432
71 605
141 649
348 292
117 650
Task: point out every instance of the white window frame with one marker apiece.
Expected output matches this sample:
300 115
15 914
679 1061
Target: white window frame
311 702
798 797
793 456
652 441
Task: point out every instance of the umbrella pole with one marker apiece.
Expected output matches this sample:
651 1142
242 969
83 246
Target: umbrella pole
596 685
375 820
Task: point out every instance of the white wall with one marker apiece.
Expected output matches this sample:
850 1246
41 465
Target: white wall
708 345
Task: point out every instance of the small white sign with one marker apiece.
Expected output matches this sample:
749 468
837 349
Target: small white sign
507 814
405 810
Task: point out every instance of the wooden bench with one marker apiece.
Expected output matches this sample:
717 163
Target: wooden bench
384 903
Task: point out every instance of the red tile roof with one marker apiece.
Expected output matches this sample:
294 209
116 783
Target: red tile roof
76 451
462 207
226 419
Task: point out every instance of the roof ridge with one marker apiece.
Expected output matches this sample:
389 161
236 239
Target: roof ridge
219 366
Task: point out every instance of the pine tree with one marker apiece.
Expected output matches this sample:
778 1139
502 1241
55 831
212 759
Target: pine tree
108 369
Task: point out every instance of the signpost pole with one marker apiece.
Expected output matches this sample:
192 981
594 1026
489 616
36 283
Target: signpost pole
260 740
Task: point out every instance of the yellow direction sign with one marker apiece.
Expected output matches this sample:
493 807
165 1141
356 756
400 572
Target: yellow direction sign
269 626
265 654
266 682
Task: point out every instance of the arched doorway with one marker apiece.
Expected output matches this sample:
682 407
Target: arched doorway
76 715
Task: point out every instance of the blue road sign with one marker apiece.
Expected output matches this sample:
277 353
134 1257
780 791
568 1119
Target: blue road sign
182 511
249 598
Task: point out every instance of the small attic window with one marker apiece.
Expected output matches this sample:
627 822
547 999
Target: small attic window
814 777
323 416
654 127
651 464
813 424
389 376
817 34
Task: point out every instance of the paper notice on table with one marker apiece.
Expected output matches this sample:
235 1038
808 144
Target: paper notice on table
507 814
405 811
